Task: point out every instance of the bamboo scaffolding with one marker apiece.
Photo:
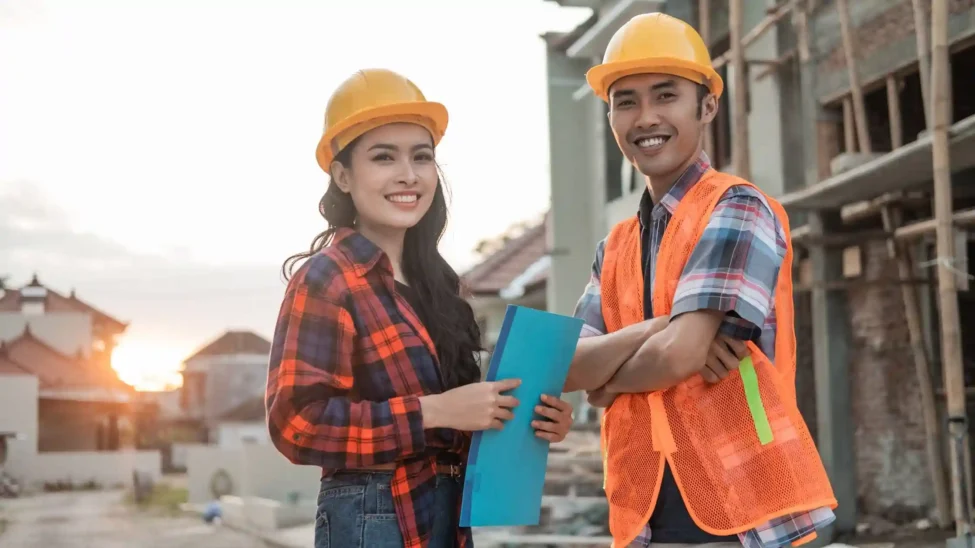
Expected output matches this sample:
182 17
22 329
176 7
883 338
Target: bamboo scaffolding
739 114
923 58
900 253
859 109
704 22
776 14
954 380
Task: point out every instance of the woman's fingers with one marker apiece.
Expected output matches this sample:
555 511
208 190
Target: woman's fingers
503 414
547 426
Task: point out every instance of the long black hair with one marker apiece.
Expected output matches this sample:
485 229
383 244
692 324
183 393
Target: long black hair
449 318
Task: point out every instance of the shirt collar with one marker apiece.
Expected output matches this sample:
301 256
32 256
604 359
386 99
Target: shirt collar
361 252
668 204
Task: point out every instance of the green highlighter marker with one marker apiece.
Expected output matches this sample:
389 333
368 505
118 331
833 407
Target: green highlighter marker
754 398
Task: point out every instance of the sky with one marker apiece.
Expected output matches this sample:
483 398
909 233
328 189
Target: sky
158 156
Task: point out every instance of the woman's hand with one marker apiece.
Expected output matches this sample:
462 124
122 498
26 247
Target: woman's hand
559 413
472 407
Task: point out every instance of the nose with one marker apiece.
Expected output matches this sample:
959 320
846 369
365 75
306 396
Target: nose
408 175
648 117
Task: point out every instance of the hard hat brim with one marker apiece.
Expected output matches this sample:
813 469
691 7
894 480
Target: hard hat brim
601 77
435 112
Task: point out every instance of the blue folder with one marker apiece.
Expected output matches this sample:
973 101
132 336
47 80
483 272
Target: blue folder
506 468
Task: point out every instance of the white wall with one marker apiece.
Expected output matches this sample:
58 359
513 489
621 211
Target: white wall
107 468
18 413
65 331
233 435
255 471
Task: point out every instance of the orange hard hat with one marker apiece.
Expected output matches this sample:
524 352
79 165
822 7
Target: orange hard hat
371 98
655 43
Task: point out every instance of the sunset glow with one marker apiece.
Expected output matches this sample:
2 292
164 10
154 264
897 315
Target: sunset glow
147 365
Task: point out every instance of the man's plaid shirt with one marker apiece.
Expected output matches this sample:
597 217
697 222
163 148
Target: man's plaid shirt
348 364
734 269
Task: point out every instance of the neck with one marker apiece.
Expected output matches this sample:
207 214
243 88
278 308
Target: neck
391 242
660 184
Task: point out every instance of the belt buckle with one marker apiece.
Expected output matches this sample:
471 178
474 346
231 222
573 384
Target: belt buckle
452 470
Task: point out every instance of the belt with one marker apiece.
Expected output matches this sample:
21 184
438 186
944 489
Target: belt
449 469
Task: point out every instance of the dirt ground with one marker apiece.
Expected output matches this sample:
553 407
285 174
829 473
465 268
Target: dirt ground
102 519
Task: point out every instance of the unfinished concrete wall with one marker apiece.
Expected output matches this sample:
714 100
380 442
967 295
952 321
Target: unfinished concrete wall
891 463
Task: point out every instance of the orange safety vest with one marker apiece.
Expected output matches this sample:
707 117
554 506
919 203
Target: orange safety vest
730 480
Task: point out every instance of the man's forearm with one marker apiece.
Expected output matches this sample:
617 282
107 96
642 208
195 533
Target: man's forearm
597 358
647 370
672 355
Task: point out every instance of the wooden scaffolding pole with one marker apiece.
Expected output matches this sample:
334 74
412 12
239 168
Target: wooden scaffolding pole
900 253
923 57
859 109
775 14
739 110
704 24
954 378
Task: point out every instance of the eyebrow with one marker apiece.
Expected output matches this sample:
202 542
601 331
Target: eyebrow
394 148
627 92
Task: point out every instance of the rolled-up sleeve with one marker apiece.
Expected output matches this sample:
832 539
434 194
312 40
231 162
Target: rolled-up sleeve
735 265
589 308
312 418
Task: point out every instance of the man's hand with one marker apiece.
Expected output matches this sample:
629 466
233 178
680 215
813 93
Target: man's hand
601 397
724 356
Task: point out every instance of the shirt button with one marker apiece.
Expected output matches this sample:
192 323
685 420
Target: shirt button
296 437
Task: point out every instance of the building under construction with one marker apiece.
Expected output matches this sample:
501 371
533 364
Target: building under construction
859 117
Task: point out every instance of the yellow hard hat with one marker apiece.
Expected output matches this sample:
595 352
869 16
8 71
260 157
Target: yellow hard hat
371 98
655 43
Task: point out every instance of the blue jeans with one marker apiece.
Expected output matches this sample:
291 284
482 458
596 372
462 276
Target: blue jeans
355 510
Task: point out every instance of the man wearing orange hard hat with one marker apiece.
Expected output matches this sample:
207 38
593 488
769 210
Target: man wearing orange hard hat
688 339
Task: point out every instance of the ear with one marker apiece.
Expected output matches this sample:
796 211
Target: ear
709 108
342 177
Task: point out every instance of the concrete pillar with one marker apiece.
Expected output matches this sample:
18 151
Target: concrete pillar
572 230
831 332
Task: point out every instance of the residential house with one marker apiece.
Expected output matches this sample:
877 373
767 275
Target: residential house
802 144
60 392
66 343
513 270
222 375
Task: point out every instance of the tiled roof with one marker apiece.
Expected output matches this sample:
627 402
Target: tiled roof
56 302
509 261
54 369
8 365
234 342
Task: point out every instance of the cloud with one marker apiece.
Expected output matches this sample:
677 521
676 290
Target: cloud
167 298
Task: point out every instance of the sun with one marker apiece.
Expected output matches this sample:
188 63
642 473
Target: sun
147 365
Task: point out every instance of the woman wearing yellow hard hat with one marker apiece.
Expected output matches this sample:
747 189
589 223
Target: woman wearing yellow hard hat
373 372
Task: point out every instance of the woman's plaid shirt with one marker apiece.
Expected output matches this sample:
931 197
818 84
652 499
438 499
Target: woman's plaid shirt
348 364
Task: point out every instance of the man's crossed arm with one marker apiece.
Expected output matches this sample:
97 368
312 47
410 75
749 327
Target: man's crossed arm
654 355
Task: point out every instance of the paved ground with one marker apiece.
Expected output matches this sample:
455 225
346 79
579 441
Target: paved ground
102 520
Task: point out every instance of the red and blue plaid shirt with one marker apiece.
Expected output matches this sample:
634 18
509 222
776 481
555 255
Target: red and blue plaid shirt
349 362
